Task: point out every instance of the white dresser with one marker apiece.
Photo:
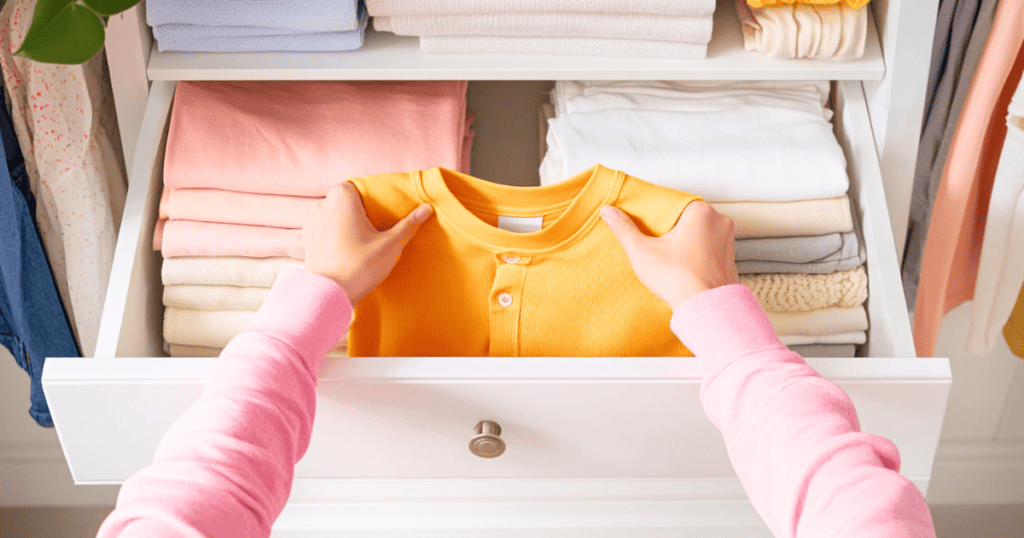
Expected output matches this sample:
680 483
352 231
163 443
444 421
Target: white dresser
594 446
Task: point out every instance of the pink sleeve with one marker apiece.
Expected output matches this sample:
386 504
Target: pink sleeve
793 436
225 467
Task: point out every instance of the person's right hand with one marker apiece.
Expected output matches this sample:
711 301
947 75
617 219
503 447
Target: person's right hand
698 254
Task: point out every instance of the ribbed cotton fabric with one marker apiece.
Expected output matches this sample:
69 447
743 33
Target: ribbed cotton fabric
515 294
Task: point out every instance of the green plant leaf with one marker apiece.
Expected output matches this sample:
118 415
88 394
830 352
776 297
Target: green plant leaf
109 7
62 32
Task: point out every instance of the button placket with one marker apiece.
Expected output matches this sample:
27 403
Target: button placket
505 301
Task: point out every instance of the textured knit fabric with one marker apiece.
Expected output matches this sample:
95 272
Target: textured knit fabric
384 8
950 263
178 350
195 38
802 292
224 271
198 297
855 4
66 124
751 153
299 15
225 467
207 328
506 291
821 322
788 219
193 238
835 32
1001 264
32 321
230 135
792 436
825 350
970 29
621 25
584 46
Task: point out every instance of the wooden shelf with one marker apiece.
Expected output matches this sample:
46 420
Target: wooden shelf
386 56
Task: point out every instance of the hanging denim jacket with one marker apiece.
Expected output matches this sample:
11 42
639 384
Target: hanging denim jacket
33 324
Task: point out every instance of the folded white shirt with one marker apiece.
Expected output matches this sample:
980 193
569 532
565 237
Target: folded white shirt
746 153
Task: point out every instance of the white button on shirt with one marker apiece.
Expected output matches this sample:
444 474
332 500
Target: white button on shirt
510 258
505 299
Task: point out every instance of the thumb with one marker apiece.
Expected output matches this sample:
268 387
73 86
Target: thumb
402 232
622 226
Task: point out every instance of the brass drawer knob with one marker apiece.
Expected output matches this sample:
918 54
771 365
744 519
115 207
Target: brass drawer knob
487 443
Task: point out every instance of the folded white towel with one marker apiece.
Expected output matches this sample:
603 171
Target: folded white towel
304 15
577 46
570 96
607 25
748 153
384 8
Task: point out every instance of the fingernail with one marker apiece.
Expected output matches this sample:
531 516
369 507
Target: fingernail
423 211
609 214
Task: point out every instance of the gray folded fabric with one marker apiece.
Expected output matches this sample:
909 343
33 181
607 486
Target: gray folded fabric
817 254
825 350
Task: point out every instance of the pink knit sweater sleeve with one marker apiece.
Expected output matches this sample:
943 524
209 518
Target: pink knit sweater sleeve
225 467
792 436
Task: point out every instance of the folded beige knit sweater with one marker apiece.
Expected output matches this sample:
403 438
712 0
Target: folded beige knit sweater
800 292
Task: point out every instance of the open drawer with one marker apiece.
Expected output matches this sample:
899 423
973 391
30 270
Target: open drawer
623 439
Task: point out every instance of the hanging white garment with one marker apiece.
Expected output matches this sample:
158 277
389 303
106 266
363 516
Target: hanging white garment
1001 266
65 122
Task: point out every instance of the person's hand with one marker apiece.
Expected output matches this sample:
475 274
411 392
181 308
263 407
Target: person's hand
696 255
342 244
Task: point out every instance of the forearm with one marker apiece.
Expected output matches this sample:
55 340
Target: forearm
792 436
225 467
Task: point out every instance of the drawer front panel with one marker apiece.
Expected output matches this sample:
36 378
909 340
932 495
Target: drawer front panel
412 418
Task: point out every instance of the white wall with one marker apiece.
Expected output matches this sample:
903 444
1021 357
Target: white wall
32 467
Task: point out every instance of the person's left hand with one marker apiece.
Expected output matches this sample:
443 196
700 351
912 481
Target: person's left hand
342 244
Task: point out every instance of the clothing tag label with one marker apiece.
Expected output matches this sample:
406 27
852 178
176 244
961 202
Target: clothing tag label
520 224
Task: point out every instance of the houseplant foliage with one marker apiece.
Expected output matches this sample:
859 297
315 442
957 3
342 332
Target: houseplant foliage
68 31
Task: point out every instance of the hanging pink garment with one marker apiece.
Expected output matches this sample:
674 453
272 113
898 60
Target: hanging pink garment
949 267
302 138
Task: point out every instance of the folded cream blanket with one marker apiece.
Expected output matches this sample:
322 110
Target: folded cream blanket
825 321
835 32
803 293
853 337
200 297
224 270
788 219
621 25
577 46
178 350
383 8
207 329
855 4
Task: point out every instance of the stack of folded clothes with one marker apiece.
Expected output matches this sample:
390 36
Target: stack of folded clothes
823 29
247 160
648 28
257 25
762 153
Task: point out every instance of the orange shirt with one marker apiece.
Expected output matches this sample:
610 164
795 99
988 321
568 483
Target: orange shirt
465 287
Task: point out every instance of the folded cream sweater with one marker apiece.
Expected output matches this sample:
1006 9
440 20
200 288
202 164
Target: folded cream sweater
804 292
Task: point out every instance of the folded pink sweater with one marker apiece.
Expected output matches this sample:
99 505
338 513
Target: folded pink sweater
225 467
230 135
